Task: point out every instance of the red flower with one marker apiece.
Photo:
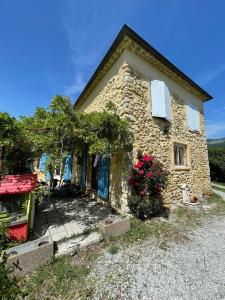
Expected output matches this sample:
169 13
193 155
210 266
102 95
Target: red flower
147 157
149 174
135 183
141 172
143 192
139 165
158 188
132 182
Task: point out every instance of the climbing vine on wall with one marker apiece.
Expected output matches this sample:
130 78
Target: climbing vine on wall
58 129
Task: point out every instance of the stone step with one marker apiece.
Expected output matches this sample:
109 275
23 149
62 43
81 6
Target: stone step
74 245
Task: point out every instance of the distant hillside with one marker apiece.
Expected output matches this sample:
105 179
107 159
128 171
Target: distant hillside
216 143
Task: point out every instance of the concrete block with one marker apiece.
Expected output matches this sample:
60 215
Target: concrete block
73 246
27 257
114 226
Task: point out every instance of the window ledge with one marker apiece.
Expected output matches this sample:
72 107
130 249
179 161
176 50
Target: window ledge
182 168
194 131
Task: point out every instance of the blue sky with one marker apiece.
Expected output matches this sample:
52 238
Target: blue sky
51 47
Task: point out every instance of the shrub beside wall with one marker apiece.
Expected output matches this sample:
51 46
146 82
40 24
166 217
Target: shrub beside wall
148 179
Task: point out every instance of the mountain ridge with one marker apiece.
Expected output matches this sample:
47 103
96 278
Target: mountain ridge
216 143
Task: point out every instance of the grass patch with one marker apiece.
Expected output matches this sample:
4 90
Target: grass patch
219 205
57 279
141 231
218 188
62 278
220 183
113 249
191 217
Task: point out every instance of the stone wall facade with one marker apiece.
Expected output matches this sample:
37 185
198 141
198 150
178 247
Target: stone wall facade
129 89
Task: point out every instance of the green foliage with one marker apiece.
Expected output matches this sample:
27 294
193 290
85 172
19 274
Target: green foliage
147 180
9 288
15 153
8 129
113 249
59 128
146 207
40 193
62 278
51 131
143 230
4 240
60 273
105 133
217 164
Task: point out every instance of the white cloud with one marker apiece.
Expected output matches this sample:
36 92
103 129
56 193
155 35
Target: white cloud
209 76
215 129
80 32
76 86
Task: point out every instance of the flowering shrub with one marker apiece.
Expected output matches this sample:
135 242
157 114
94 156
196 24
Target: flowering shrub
148 179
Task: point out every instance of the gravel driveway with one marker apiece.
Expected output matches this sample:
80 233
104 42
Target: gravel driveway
194 269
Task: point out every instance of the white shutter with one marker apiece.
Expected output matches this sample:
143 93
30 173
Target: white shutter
193 118
161 103
167 103
197 120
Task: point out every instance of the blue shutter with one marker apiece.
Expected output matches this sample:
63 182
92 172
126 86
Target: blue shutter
103 178
84 167
44 158
161 102
68 168
43 162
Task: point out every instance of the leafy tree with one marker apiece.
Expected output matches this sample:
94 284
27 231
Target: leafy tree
14 146
51 131
59 128
217 164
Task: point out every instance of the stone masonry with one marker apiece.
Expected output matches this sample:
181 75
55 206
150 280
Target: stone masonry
129 90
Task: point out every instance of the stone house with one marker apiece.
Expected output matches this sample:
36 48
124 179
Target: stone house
166 110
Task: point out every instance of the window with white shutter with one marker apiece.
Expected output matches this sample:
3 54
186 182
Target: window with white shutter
161 102
193 118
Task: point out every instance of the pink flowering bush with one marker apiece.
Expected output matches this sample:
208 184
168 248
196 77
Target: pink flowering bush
148 179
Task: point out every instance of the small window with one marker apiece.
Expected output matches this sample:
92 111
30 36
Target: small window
161 102
180 155
193 118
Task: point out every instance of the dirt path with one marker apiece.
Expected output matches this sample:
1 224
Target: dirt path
190 270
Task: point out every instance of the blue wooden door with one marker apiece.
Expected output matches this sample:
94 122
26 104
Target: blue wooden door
84 167
68 168
103 178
